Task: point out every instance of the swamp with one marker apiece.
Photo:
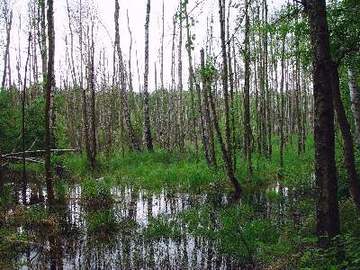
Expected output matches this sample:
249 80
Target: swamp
182 134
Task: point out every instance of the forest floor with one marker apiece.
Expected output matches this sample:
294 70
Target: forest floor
169 211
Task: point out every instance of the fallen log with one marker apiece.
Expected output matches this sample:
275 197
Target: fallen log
31 160
36 152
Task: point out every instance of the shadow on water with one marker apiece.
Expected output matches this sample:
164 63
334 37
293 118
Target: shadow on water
121 235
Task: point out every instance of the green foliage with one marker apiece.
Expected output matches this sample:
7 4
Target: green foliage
60 130
12 242
154 171
344 27
344 253
209 72
77 164
236 229
6 198
160 227
102 221
97 193
9 122
61 188
35 215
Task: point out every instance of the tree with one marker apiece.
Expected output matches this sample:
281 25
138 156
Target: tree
226 146
49 84
180 103
247 124
148 137
355 101
282 105
8 16
192 79
349 156
328 224
135 145
91 85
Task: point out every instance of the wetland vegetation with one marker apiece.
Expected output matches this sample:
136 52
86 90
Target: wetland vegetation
253 164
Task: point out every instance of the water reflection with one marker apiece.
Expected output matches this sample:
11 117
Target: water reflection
114 238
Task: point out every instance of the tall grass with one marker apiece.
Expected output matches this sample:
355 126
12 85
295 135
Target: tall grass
188 172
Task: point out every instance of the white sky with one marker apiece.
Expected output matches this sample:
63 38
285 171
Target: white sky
105 33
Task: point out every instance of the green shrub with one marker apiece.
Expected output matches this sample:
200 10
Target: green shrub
101 221
97 193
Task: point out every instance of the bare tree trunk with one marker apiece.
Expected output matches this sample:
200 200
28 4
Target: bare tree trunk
7 49
162 47
148 137
226 149
355 102
328 223
49 84
72 62
135 145
247 125
91 74
23 103
231 87
43 43
298 93
180 82
282 107
84 92
172 111
192 82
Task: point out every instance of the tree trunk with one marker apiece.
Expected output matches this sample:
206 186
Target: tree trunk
93 101
247 126
349 157
226 149
282 107
180 82
207 117
148 136
49 84
355 102
135 145
7 50
328 223
192 80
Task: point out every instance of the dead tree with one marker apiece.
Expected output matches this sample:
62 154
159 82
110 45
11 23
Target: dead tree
148 137
135 145
8 16
226 146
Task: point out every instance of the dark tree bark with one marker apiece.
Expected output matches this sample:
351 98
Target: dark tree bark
328 224
349 156
247 125
49 84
